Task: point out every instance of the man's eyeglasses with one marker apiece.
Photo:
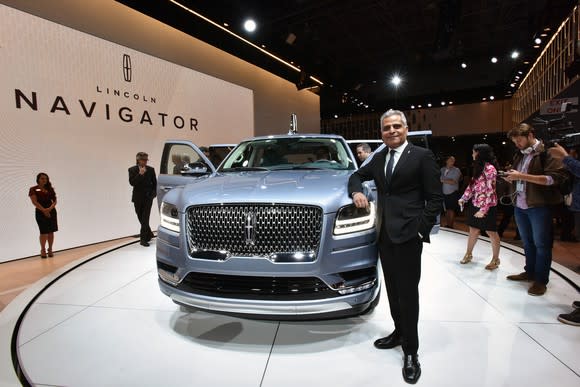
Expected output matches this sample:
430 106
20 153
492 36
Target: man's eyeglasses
394 126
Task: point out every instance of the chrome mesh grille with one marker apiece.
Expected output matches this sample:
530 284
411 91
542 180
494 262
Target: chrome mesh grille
254 229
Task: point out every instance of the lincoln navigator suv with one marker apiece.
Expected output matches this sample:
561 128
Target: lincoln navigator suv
271 233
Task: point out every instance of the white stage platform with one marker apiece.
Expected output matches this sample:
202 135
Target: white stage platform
105 323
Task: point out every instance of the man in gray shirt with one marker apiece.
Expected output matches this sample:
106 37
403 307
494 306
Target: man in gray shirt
450 176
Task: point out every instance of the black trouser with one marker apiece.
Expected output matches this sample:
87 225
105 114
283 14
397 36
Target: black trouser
143 211
401 264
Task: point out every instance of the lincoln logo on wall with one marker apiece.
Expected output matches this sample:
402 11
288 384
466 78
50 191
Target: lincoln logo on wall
127 67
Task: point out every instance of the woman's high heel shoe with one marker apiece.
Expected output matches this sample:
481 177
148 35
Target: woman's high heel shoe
50 254
43 254
493 264
466 258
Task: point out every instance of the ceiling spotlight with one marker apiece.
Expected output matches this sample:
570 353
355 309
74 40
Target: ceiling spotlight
336 116
396 80
442 103
429 105
526 62
484 99
450 102
463 65
537 40
226 24
520 72
491 97
412 106
512 85
543 35
250 25
419 106
515 55
536 46
493 59
547 29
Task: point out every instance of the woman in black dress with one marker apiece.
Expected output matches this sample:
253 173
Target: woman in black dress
43 198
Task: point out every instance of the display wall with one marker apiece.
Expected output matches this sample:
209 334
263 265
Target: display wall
79 108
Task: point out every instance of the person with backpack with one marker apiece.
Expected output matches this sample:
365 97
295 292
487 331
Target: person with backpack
535 179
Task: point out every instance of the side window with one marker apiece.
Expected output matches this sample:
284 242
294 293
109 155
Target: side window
179 156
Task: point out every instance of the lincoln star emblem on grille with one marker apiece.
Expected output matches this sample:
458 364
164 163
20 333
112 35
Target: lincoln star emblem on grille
250 228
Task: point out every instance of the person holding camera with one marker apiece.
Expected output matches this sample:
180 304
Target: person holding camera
535 179
573 166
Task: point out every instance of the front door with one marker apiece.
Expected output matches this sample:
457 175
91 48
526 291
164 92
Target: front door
181 163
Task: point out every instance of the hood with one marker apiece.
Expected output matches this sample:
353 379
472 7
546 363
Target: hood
324 188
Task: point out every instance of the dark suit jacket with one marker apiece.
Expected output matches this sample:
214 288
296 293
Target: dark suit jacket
144 186
411 202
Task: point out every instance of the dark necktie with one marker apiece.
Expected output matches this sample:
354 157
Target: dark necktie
390 163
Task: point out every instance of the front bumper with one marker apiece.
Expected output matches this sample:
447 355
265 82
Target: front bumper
342 306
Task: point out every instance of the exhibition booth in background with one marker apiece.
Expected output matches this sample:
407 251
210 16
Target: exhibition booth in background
79 106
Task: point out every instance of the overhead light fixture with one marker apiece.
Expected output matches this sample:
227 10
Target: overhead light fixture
463 65
537 40
250 25
396 80
493 59
226 24
429 105
536 46
442 103
515 55
491 97
420 106
291 38
450 102
336 116
512 84
484 99
412 106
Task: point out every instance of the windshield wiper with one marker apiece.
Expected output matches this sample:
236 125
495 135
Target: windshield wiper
238 169
305 167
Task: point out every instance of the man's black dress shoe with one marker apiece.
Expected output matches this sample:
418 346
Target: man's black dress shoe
146 244
411 369
391 341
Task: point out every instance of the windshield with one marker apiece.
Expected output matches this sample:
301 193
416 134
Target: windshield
289 153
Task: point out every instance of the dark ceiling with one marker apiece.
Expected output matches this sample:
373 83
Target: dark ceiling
355 46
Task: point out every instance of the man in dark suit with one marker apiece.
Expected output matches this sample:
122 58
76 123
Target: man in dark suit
409 200
142 178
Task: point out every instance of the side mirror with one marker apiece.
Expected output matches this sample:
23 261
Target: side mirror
194 169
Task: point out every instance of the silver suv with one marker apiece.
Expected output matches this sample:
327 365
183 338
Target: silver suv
272 233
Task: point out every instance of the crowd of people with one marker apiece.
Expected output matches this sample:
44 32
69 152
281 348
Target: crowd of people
530 188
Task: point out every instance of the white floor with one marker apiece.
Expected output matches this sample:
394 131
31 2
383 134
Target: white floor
107 324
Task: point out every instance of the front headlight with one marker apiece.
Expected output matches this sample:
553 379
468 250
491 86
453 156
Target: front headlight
169 217
352 219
